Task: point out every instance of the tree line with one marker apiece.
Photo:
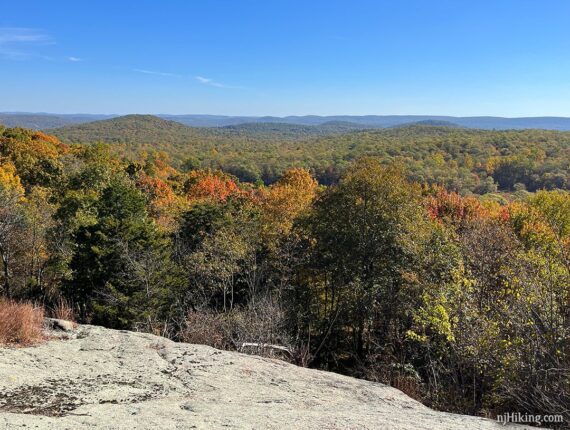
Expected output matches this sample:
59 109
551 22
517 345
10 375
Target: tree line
461 302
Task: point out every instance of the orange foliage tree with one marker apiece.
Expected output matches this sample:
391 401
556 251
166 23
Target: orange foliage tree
163 203
209 185
453 209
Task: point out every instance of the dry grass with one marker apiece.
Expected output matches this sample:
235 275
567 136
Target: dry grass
20 323
63 311
409 386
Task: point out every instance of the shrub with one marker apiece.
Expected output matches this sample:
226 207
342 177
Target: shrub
20 323
207 328
258 327
63 311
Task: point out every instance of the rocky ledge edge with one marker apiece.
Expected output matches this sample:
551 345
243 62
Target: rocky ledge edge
92 377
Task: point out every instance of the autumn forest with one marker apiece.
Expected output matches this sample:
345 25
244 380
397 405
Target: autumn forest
434 259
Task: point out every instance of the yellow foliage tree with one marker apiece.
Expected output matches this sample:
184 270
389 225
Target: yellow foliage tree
285 200
9 180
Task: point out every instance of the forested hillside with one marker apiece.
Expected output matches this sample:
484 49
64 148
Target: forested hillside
463 160
461 302
149 129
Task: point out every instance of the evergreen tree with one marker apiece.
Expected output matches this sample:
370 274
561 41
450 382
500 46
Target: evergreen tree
122 271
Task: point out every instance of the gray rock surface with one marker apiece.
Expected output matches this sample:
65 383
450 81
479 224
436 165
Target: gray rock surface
95 378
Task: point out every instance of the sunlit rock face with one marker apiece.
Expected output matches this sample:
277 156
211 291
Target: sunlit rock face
91 377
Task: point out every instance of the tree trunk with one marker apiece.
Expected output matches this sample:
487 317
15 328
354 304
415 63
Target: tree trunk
5 266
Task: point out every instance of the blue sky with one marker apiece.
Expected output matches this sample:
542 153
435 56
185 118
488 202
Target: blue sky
500 57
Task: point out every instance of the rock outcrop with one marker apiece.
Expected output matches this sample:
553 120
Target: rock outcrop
91 377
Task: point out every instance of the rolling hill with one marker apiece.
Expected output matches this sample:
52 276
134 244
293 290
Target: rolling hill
139 129
149 129
453 156
291 131
429 122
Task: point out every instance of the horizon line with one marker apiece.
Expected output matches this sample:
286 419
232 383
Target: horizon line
285 116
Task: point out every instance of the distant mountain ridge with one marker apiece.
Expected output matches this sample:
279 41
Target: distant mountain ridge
49 121
382 121
42 121
330 127
150 129
429 122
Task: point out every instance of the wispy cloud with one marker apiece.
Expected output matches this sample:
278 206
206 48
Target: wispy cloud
212 83
17 43
74 59
153 72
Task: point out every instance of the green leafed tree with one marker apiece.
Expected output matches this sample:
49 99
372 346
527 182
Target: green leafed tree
376 259
122 275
